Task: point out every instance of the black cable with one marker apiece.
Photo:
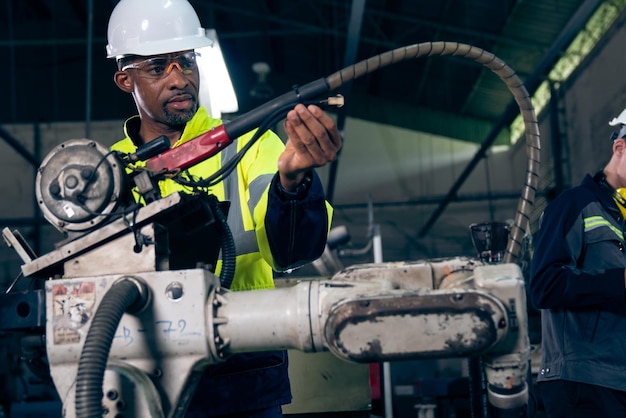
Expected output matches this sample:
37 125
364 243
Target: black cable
81 198
230 165
229 253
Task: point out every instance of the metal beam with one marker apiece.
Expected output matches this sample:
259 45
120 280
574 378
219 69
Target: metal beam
17 146
573 27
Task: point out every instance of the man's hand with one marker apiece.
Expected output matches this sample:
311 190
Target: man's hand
313 140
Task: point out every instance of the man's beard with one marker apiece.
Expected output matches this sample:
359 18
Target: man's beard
181 117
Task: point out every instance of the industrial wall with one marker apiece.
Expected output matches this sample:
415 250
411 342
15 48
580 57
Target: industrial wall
595 96
575 131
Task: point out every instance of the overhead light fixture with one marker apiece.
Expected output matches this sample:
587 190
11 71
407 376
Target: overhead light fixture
261 90
217 93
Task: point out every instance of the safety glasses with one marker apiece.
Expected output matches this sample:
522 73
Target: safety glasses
161 66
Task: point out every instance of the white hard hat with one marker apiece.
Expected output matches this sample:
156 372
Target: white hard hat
153 27
621 119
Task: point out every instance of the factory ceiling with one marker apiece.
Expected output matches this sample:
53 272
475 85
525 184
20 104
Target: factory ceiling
48 77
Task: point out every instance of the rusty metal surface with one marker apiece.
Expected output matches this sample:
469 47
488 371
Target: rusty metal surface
415 326
412 275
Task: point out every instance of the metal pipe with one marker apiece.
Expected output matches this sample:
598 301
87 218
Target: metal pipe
352 45
386 371
12 63
89 71
17 146
37 225
556 140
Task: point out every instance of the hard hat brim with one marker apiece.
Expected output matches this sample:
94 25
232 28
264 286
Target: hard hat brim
163 47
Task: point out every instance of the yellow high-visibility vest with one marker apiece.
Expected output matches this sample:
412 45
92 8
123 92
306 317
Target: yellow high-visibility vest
246 188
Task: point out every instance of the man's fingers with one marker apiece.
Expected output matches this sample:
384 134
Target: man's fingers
313 135
320 125
326 121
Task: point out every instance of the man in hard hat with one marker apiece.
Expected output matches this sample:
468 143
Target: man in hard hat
578 281
278 214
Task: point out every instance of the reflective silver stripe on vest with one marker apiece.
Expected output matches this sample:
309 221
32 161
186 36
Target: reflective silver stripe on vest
594 222
257 188
245 241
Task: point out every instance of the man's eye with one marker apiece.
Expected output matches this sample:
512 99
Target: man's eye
155 69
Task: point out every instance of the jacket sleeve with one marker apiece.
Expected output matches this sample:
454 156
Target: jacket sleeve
557 277
297 226
290 230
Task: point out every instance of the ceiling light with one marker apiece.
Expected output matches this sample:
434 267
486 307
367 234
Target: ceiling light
217 93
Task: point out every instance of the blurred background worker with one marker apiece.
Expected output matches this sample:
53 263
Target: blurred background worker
578 281
274 194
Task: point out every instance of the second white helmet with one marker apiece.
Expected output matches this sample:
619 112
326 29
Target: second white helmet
620 119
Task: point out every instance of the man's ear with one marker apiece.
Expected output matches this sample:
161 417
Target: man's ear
123 81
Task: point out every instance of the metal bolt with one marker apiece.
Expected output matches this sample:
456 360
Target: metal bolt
86 172
55 189
71 181
174 291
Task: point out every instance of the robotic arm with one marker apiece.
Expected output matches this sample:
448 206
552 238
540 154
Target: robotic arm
170 329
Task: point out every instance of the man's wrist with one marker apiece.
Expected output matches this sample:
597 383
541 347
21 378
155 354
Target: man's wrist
300 190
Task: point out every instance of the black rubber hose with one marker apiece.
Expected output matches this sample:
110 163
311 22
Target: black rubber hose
255 117
93 358
229 253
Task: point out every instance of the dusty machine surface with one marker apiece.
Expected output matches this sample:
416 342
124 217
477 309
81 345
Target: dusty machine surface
134 311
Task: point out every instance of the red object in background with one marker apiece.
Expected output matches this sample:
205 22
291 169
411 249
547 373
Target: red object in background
376 388
375 381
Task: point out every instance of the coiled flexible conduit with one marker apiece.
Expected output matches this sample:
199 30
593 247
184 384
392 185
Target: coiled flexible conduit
515 85
252 119
125 295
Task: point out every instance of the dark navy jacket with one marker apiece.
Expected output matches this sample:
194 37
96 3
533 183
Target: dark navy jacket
577 279
251 381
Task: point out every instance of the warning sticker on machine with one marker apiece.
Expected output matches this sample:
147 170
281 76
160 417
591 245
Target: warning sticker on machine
72 307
